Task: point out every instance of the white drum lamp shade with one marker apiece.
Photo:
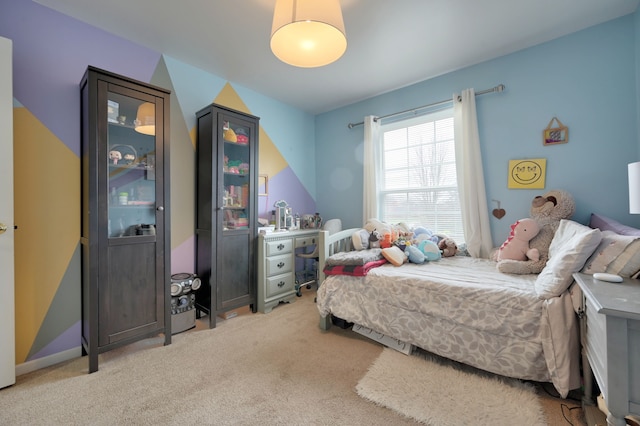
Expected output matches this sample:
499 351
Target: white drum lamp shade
308 33
146 119
634 188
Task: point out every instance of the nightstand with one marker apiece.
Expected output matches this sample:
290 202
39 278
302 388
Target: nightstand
610 337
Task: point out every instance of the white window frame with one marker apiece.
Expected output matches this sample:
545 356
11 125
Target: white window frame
444 217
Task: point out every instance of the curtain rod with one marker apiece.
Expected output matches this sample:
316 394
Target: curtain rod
498 88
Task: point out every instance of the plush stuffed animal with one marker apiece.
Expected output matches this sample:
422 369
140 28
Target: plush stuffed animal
388 239
360 239
374 239
448 247
430 250
547 210
414 254
516 246
420 233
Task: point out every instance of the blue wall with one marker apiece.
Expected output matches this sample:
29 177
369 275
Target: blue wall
586 79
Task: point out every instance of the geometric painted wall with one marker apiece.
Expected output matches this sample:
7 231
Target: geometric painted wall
51 53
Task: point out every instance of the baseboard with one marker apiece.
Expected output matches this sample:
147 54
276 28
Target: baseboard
46 361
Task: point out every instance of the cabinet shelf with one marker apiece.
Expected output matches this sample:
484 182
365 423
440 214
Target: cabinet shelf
137 166
132 206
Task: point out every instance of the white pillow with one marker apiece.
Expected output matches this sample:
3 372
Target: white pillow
571 246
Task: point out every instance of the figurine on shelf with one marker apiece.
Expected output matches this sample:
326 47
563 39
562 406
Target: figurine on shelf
129 158
115 156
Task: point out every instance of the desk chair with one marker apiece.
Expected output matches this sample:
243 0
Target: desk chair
306 278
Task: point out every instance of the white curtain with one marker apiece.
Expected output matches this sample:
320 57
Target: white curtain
371 160
473 200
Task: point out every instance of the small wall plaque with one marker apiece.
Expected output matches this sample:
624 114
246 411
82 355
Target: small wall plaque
555 135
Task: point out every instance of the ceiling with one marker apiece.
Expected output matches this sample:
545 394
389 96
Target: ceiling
391 44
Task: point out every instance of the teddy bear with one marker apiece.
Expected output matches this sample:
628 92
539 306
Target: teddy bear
548 210
516 246
448 247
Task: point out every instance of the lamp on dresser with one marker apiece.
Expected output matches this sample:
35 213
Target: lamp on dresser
634 187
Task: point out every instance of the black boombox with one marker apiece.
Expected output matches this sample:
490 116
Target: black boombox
183 283
183 301
182 286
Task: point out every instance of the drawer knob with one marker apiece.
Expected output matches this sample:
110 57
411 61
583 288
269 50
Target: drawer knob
280 246
281 284
280 265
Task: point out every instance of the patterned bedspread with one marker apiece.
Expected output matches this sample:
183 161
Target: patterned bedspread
464 309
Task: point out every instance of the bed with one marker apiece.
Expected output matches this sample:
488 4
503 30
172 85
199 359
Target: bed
463 308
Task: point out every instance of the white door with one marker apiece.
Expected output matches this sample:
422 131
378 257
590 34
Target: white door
7 289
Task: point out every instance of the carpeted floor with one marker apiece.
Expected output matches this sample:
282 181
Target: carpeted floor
276 368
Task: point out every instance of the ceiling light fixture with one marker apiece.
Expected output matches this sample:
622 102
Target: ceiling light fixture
308 33
146 119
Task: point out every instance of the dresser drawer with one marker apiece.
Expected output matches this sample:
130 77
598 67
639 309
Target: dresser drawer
310 240
596 342
279 264
279 247
279 284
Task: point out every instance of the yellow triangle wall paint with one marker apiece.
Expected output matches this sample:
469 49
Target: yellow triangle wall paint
271 162
47 206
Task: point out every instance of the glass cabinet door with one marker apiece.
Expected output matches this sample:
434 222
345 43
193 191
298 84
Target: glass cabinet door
131 145
236 202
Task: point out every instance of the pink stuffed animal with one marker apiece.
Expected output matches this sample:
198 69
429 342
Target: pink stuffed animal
516 247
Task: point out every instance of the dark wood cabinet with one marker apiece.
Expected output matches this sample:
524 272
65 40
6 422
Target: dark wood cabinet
226 210
125 212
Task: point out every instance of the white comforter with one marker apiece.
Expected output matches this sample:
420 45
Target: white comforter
464 309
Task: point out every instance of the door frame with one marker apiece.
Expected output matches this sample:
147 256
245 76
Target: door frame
7 247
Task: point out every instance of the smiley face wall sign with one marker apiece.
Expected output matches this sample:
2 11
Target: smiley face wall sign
527 174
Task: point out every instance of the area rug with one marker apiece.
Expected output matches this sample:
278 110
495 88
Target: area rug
438 392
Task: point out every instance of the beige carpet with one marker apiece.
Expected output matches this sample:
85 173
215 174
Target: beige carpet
254 369
443 394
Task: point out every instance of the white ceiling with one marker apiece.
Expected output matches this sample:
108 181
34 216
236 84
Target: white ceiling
391 44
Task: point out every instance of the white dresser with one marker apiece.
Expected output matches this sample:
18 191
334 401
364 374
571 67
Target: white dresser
277 265
610 335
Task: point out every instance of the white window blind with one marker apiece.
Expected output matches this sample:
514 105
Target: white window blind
418 176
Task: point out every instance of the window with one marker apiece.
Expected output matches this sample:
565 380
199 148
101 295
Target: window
418 183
